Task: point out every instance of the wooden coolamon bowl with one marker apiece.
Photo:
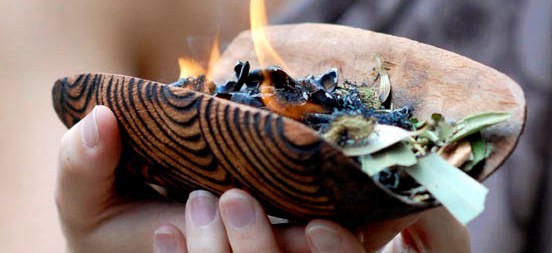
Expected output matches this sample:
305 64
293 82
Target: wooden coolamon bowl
184 140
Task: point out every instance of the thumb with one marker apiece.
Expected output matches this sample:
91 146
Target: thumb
88 156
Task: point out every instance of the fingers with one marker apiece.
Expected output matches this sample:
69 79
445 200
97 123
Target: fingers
168 239
329 237
235 223
436 231
88 157
375 235
204 228
291 238
246 224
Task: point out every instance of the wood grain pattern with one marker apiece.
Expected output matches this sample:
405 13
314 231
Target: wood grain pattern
187 140
191 141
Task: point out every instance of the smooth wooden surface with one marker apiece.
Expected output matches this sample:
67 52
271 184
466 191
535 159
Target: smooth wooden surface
429 79
188 140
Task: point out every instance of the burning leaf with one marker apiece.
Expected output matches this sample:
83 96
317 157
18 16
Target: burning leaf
398 154
382 137
475 123
462 195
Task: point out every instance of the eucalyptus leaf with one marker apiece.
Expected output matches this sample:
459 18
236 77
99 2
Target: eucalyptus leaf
462 195
383 136
475 123
398 154
430 135
416 123
443 129
480 151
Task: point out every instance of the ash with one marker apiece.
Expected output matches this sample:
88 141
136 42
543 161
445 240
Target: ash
323 93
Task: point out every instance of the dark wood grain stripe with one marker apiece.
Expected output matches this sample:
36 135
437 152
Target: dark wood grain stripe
191 141
234 144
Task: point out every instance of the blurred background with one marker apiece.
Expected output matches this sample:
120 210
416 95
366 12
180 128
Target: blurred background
41 41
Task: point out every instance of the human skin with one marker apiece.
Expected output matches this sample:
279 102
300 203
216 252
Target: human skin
97 217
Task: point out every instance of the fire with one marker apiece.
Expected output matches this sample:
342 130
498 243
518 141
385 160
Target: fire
290 110
214 58
192 68
265 52
266 55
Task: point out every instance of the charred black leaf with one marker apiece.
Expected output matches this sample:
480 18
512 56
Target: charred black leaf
242 72
245 99
328 80
229 86
324 98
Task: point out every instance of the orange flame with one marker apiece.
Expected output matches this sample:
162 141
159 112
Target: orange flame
263 49
192 68
214 58
290 110
267 55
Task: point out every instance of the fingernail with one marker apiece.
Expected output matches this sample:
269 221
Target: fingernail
89 132
323 239
164 240
239 212
203 207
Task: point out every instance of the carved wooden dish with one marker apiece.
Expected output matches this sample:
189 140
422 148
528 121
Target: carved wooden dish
185 140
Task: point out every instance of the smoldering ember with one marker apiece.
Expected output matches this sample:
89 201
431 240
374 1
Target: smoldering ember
314 100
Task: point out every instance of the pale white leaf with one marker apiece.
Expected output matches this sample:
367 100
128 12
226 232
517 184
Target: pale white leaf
383 136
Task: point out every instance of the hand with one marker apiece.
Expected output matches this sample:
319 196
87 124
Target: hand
236 223
96 218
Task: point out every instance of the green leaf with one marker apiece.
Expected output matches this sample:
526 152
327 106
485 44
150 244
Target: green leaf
416 123
462 195
383 136
398 154
475 123
442 129
480 151
430 135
